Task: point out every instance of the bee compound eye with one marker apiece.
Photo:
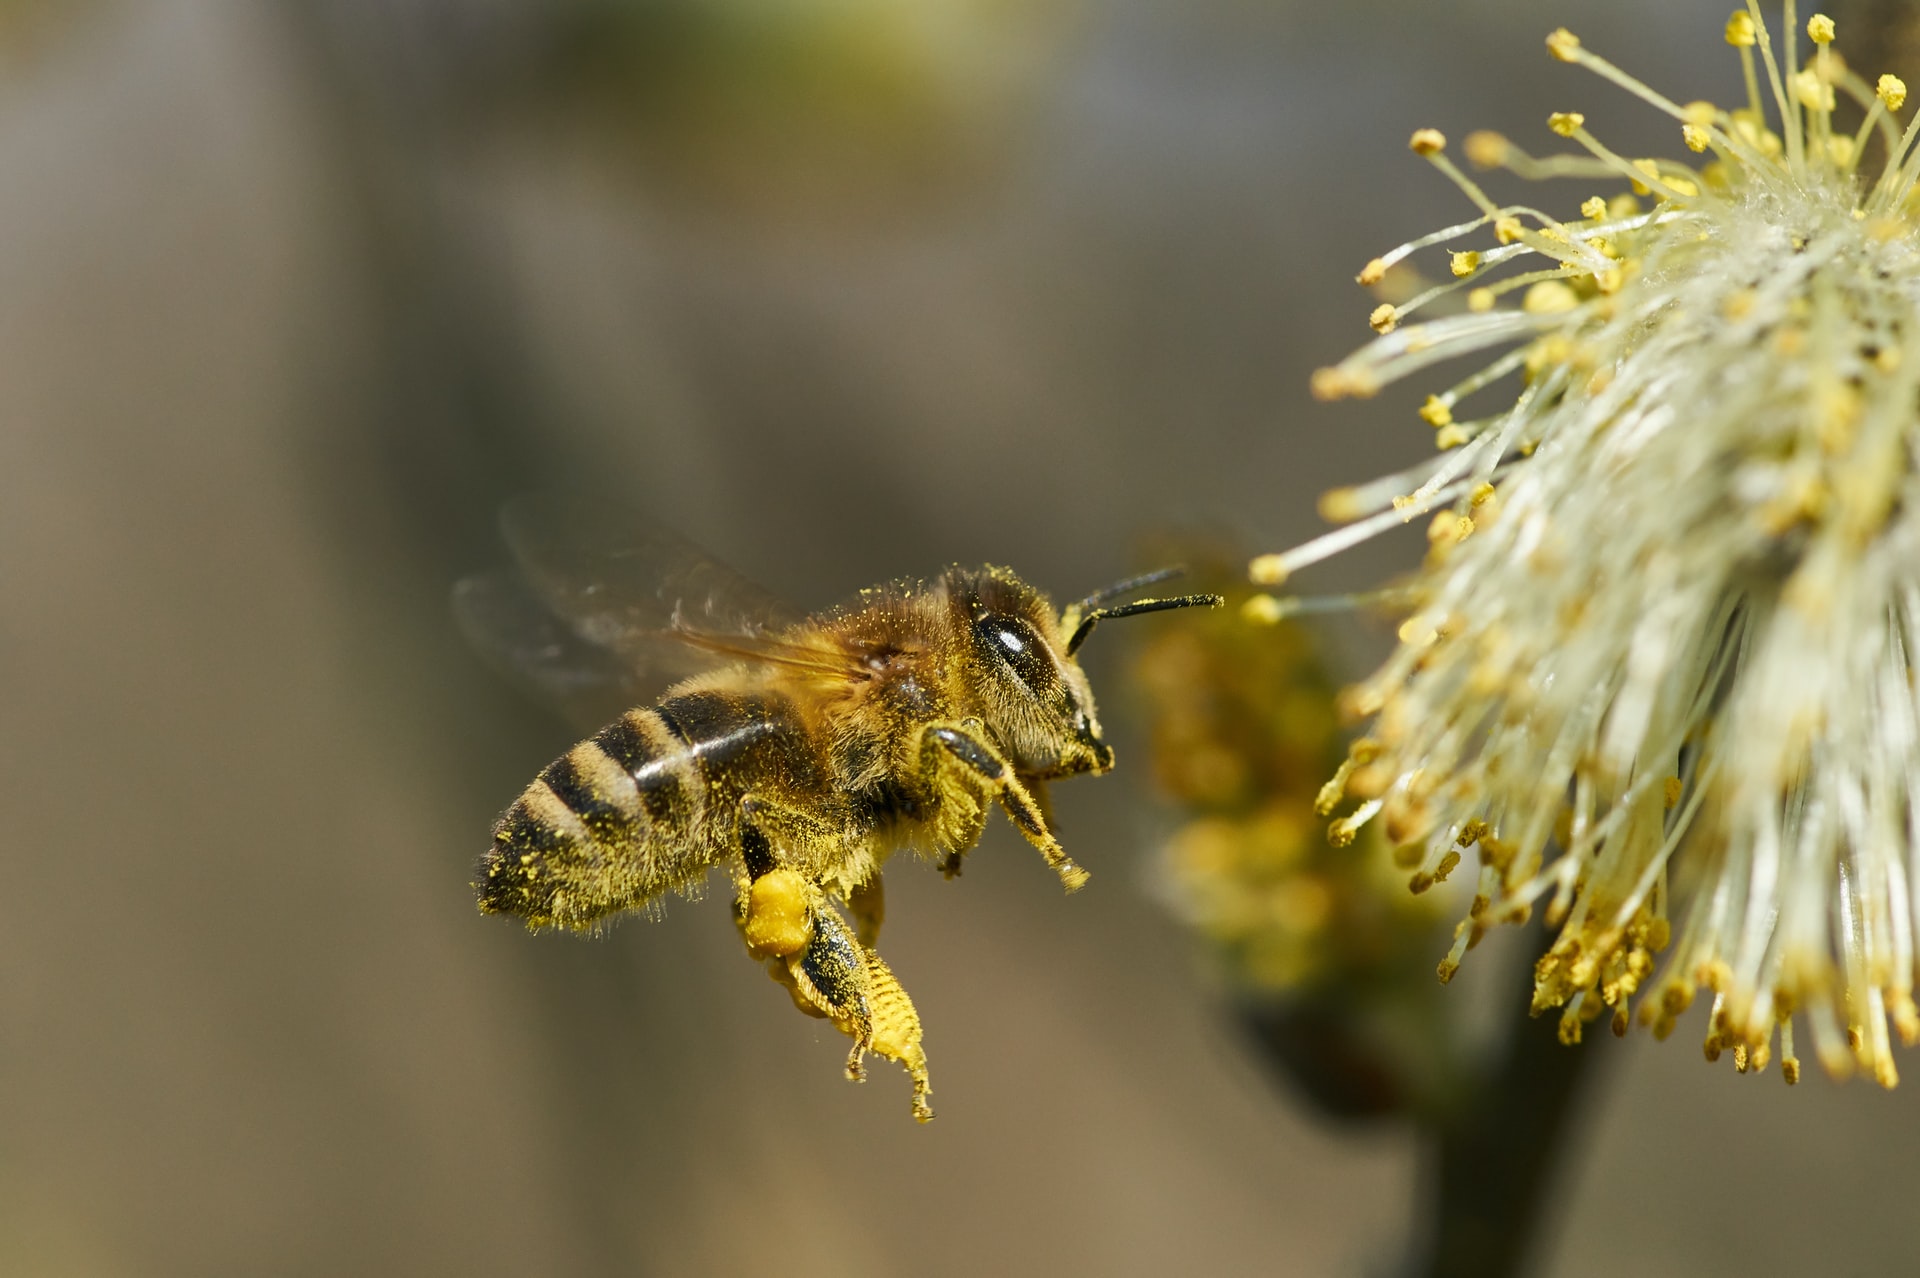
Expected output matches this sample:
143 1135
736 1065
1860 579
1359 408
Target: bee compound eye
1015 643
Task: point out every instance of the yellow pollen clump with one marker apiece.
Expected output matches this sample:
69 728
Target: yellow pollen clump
1450 437
1701 113
1820 29
1549 297
1507 229
1486 149
1480 300
1594 208
1892 92
1427 142
1695 137
1436 412
1383 318
1563 44
1372 273
1609 280
1464 263
1565 122
1740 30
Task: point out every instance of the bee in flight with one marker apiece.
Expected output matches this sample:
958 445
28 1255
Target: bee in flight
797 752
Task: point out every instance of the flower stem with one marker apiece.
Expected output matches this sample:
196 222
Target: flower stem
1491 1161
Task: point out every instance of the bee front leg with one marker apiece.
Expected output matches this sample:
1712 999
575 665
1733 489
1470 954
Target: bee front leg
955 763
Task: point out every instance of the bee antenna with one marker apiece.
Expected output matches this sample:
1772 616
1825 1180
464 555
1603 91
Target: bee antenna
1134 609
1126 587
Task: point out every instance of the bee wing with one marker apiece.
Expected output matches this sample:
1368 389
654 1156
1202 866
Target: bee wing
622 582
603 607
521 638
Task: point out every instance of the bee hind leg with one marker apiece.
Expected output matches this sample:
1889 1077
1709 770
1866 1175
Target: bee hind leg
950 749
778 900
854 988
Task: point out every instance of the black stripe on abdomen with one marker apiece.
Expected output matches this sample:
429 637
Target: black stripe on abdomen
639 754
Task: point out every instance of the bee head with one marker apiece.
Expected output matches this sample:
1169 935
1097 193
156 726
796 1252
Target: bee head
1028 688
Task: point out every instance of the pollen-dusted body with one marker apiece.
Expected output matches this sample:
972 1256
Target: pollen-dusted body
800 764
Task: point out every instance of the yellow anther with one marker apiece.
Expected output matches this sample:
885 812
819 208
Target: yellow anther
1892 92
1372 273
1549 297
1450 437
1480 300
1340 505
1427 142
1506 229
1465 263
1263 610
1812 92
1436 412
1565 122
1672 785
1482 494
1701 113
1740 30
1563 44
1268 570
1486 149
1384 318
1820 29
1695 137
1593 209
1609 280
1330 384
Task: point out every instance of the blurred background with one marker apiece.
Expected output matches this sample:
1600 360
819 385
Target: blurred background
292 296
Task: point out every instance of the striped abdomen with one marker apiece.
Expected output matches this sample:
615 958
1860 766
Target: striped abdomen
642 807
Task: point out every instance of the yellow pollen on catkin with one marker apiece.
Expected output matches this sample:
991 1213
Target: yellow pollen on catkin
1695 137
1507 229
1594 208
1740 30
1549 297
1464 263
1565 123
1564 45
1436 412
1480 300
1372 273
1820 29
1892 92
1486 149
1384 318
1427 142
1811 91
1268 570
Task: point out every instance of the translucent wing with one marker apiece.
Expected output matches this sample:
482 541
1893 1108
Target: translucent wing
521 638
602 611
621 583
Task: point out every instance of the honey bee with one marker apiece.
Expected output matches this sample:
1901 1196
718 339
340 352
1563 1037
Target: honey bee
804 753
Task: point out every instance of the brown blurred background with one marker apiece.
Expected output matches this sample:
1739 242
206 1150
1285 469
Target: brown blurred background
291 296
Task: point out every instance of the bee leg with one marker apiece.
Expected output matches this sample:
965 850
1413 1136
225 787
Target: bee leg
777 903
855 989
868 905
945 746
